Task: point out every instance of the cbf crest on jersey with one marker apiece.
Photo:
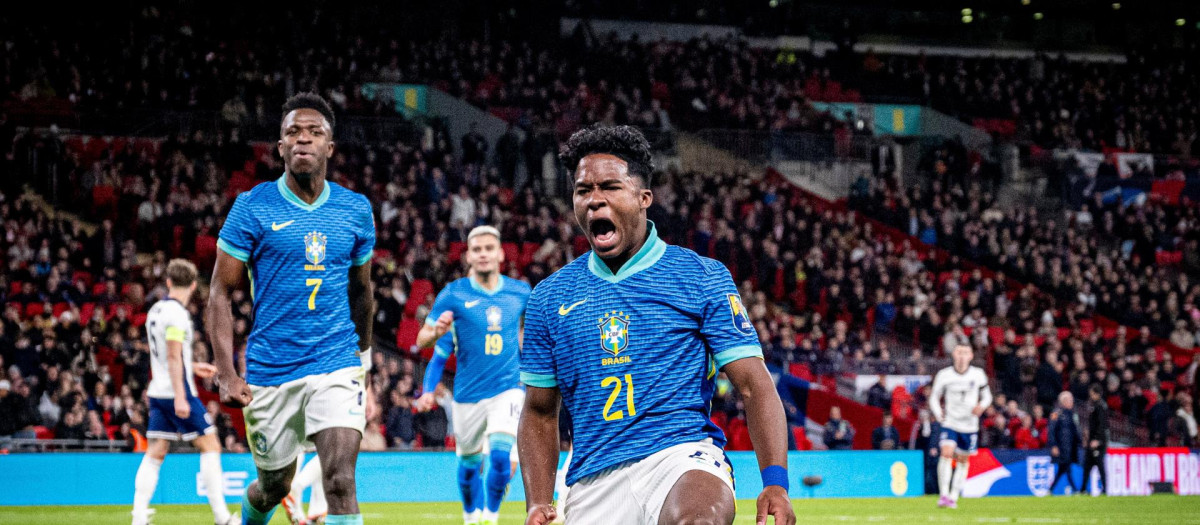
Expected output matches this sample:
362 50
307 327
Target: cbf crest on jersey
614 332
493 318
314 250
741 318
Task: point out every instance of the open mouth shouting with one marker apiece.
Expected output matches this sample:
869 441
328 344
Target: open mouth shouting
605 236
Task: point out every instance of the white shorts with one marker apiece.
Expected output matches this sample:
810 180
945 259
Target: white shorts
473 422
281 419
634 492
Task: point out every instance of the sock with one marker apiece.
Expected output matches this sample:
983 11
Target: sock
960 479
316 501
253 516
499 473
945 470
144 484
344 519
214 484
471 517
470 483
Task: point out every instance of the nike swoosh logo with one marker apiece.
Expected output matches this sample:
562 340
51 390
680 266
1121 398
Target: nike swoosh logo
471 304
564 309
277 227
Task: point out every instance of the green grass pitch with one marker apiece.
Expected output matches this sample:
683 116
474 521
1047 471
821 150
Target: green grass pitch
1067 510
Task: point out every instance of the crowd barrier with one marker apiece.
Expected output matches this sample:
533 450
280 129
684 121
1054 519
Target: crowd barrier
107 478
1130 472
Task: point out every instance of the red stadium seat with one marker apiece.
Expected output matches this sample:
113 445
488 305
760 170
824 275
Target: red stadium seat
98 289
41 432
59 308
406 334
139 319
34 310
512 252
455 252
15 288
801 438
85 312
527 251
420 290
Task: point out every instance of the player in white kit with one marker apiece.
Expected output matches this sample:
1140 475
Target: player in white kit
175 411
967 395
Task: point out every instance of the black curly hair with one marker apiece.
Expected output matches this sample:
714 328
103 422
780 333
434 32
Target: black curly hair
624 142
310 100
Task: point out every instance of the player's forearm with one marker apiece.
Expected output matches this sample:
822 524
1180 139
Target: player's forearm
219 322
175 368
537 439
362 308
427 336
764 411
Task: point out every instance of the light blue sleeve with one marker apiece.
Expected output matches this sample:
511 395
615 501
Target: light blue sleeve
240 233
364 241
537 352
441 304
725 323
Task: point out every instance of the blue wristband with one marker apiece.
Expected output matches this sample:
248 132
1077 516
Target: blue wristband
775 475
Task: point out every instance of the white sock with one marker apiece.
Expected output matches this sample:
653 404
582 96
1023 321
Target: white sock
960 479
489 515
214 484
144 484
945 471
471 517
316 503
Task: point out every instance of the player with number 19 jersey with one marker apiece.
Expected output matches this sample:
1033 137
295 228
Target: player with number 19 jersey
635 354
299 252
487 327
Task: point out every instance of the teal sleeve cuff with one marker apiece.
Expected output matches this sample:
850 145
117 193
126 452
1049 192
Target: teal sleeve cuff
431 319
359 261
442 351
539 380
738 352
241 255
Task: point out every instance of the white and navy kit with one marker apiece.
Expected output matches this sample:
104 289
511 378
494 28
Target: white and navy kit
962 393
169 321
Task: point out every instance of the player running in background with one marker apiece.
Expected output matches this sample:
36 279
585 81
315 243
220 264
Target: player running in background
175 411
630 337
483 312
307 244
965 388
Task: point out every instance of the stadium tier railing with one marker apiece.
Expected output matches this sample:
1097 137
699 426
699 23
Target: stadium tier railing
64 445
766 147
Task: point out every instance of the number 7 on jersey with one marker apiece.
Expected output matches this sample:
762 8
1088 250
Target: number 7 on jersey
312 298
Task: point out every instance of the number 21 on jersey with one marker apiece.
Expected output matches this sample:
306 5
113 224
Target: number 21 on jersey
617 385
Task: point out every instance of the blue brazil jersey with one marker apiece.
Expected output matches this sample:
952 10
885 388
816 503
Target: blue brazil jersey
635 354
486 331
299 257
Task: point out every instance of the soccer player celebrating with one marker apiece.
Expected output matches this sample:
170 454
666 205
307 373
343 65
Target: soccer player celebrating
965 388
175 411
630 337
307 244
483 311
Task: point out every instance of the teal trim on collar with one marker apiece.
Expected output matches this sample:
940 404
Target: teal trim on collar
651 252
287 194
479 287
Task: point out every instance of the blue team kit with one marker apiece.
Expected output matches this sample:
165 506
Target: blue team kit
303 254
636 353
484 325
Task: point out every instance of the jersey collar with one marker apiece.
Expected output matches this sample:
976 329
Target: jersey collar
287 194
650 253
479 287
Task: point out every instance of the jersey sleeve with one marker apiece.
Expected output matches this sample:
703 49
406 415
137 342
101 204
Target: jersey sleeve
445 346
441 304
364 238
239 236
725 323
537 350
175 327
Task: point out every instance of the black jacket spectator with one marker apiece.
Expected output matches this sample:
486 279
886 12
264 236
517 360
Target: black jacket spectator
886 437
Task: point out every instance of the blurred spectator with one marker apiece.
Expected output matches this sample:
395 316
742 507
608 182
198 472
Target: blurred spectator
1097 438
17 414
885 437
877 395
839 434
1027 436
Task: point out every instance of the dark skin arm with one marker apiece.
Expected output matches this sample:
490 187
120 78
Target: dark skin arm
362 304
227 276
537 439
768 431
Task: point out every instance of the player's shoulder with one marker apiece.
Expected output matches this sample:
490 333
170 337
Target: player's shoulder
678 258
516 285
343 194
978 372
260 193
169 308
562 277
